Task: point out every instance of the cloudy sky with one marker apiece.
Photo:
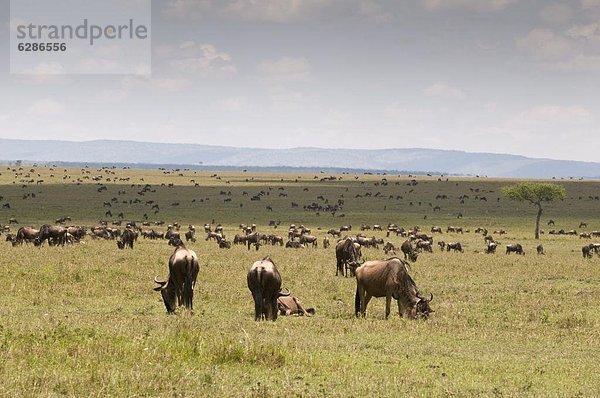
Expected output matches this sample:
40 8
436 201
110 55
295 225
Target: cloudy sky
506 76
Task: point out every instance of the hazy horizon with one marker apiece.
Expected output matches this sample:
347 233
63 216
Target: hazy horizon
480 76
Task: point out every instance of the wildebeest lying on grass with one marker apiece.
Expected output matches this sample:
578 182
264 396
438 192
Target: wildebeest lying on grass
290 305
183 271
390 279
264 282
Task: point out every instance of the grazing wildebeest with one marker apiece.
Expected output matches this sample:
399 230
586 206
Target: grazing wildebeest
377 227
587 251
346 254
253 239
515 248
306 239
390 279
264 282
345 228
26 234
224 244
585 235
334 233
456 246
424 245
409 251
491 248
540 249
436 229
582 225
551 222
12 220
54 234
183 271
190 236
389 248
239 239
290 305
127 239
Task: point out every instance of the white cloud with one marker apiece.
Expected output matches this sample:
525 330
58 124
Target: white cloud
195 58
286 69
557 13
46 107
576 49
373 11
553 116
590 4
590 32
543 44
184 9
276 10
443 90
475 5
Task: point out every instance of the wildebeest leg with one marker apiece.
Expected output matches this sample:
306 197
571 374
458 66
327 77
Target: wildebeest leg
366 297
388 303
301 309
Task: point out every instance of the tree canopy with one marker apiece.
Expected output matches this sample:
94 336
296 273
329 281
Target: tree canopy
534 193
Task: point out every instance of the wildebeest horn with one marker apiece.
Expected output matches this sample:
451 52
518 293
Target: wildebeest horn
430 297
285 294
162 283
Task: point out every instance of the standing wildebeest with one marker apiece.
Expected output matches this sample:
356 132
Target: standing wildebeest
334 232
264 282
516 248
436 229
587 249
540 249
389 279
290 305
389 248
409 251
26 234
183 271
491 248
127 239
253 239
325 242
306 239
456 246
346 254
54 234
190 235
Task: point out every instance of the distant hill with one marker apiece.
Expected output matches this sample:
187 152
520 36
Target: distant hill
392 160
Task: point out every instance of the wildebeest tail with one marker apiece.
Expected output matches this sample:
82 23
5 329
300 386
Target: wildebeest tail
257 293
188 287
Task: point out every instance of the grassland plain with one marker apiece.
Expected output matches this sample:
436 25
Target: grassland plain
83 320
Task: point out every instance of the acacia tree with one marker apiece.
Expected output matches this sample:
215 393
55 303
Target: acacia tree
536 194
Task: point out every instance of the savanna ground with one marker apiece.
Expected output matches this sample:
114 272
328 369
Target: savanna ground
83 320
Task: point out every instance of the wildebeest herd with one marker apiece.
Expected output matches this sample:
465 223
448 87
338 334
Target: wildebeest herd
383 278
379 278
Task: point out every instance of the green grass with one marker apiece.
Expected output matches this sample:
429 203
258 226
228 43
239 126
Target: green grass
84 320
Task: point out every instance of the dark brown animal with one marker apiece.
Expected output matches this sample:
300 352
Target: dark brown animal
456 246
178 289
515 248
346 255
409 251
390 279
264 282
